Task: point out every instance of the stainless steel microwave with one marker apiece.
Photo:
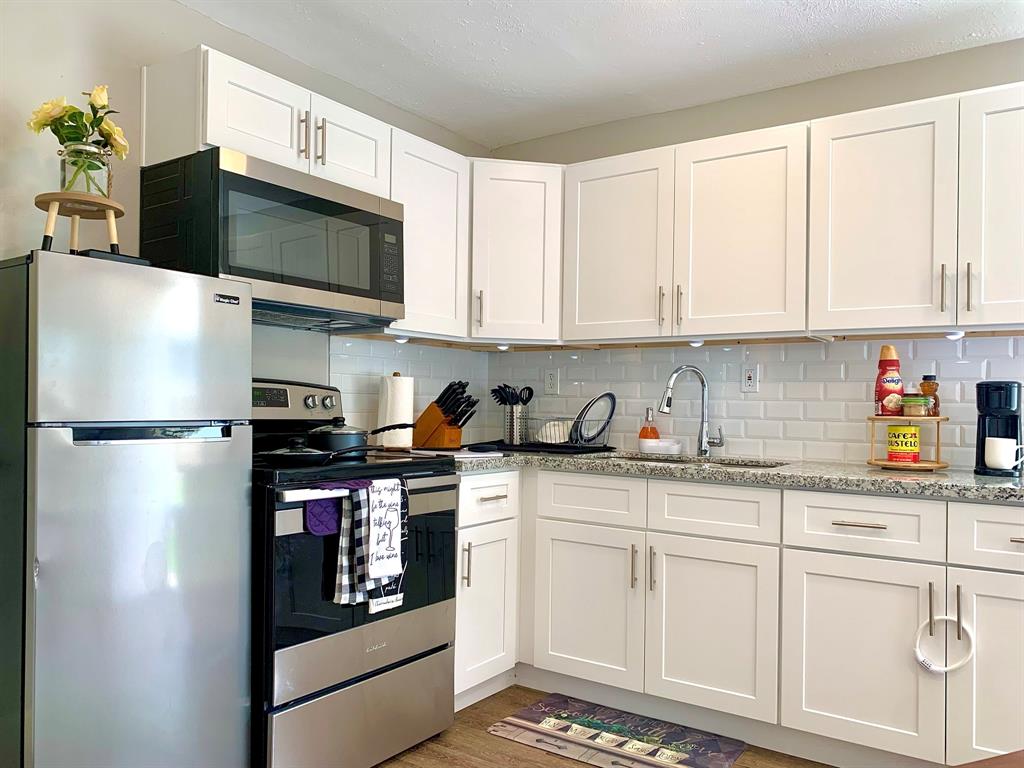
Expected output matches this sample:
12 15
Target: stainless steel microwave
318 255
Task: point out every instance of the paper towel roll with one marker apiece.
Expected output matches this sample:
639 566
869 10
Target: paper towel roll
395 406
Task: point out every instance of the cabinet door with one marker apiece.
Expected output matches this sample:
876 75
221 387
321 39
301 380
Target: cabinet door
517 250
985 698
254 112
590 603
350 148
883 218
617 270
848 666
433 185
992 207
741 233
713 624
485 631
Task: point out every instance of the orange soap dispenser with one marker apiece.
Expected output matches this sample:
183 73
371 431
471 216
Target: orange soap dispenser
648 431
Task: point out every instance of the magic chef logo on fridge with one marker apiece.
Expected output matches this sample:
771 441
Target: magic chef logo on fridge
224 298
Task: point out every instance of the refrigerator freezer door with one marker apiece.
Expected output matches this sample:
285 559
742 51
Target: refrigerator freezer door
140 613
120 342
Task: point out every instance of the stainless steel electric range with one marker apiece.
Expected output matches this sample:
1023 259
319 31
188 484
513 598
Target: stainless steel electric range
335 686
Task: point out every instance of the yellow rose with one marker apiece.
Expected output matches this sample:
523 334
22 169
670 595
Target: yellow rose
98 98
115 137
47 113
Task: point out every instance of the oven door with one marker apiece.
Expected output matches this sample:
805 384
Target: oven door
315 643
298 248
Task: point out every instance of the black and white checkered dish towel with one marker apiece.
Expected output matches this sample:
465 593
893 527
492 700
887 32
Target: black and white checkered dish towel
353 586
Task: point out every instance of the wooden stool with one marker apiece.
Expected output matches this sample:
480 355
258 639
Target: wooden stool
76 206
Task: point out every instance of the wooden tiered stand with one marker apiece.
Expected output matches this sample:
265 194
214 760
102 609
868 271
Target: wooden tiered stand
924 465
77 206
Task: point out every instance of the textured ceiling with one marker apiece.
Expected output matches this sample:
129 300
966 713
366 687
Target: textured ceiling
503 72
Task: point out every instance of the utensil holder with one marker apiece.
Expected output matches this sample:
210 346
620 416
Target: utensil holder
515 424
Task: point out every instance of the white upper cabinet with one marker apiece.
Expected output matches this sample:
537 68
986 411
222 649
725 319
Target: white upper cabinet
350 148
517 250
883 218
254 112
741 233
985 698
991 274
617 271
433 184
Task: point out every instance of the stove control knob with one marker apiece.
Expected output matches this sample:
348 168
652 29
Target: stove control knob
328 402
310 401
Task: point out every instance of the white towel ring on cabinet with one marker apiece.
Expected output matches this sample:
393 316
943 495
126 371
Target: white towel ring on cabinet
931 666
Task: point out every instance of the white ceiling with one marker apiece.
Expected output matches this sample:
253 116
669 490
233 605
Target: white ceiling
499 72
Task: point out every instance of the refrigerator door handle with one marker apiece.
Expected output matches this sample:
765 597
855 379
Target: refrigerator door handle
150 441
179 435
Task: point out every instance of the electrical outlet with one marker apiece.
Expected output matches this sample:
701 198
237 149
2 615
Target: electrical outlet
750 380
550 381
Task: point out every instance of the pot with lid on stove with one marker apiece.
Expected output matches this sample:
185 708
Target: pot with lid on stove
334 441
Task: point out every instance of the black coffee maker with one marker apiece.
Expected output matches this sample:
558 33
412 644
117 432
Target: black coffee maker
999 415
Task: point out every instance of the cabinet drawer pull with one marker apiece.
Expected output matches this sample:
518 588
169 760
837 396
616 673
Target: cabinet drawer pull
485 499
322 130
632 566
942 288
652 581
480 317
855 524
1017 539
468 576
931 608
661 305
304 129
970 303
679 305
959 615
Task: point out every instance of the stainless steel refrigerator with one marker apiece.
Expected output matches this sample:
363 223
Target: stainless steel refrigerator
125 456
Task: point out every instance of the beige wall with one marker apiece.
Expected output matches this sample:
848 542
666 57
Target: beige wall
952 72
50 49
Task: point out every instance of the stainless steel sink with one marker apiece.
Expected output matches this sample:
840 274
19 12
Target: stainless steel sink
719 462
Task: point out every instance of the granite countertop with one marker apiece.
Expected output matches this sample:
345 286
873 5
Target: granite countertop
961 485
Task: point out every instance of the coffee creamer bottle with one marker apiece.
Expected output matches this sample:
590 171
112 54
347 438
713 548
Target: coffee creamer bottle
888 384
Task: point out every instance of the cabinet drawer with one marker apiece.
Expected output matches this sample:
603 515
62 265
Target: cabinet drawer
593 498
488 497
871 525
753 514
986 535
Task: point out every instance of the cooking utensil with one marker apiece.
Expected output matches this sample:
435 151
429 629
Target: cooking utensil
465 419
593 419
339 436
298 454
526 395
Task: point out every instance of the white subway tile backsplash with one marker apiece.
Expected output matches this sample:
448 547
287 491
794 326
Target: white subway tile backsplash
826 411
784 410
997 346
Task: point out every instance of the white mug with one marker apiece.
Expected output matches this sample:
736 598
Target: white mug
1003 453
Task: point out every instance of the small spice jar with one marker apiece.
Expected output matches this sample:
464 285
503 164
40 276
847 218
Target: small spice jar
930 387
915 404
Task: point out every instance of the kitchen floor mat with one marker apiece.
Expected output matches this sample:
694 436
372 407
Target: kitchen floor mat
598 735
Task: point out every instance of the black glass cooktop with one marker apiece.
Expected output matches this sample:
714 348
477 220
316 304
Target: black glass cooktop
376 464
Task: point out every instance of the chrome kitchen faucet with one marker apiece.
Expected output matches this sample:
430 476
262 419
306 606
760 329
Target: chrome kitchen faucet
705 443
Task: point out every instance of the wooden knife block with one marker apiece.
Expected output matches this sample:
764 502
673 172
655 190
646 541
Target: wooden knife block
432 430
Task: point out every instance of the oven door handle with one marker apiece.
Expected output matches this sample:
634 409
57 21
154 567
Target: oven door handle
309 494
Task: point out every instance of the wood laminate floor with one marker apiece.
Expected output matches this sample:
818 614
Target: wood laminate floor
467 744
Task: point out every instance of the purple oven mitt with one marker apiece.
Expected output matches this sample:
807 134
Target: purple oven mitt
322 516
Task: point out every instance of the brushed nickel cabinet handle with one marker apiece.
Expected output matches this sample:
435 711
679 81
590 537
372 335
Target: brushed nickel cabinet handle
322 131
942 288
959 615
679 305
661 305
1017 539
970 303
632 566
485 499
480 317
468 576
652 581
304 128
855 524
931 608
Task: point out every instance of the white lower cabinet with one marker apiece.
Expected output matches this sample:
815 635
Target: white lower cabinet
488 576
985 698
712 624
848 666
590 591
